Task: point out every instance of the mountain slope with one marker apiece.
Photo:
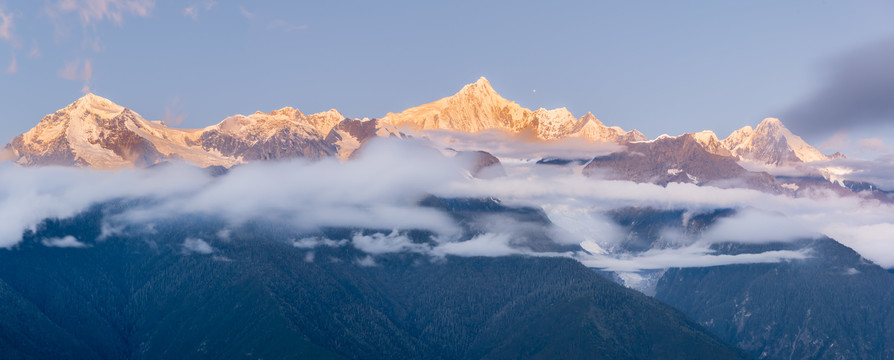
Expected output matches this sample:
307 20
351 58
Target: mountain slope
833 305
679 159
96 132
92 131
771 143
281 134
255 294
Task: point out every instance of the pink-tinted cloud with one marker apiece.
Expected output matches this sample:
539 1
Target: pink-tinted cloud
13 66
6 25
839 140
92 11
873 145
193 10
77 70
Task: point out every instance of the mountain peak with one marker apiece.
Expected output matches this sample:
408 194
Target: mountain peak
478 89
475 107
772 143
93 104
287 111
770 123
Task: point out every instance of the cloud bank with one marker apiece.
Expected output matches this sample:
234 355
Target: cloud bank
380 191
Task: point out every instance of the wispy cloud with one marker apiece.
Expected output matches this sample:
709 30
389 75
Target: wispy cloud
6 25
173 115
272 24
873 145
34 53
193 10
67 241
285 26
78 71
13 66
196 246
382 187
245 13
690 256
87 73
70 71
839 140
92 11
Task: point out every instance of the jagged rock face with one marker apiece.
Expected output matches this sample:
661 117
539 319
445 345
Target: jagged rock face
324 122
281 134
348 135
630 136
283 144
286 144
771 143
711 144
680 159
477 107
555 124
52 152
116 136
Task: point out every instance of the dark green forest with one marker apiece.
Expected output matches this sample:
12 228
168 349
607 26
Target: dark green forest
139 293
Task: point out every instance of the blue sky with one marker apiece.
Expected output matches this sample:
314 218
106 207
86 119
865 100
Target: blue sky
657 66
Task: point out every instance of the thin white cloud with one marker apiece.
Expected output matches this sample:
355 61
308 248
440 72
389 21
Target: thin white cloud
381 189
197 246
285 26
693 256
512 148
193 10
754 226
367 261
488 244
873 241
380 243
67 241
313 242
245 13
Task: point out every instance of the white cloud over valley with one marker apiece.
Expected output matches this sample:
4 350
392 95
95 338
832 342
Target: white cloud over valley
381 190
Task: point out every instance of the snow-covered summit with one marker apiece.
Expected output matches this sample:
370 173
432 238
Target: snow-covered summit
771 143
478 107
94 131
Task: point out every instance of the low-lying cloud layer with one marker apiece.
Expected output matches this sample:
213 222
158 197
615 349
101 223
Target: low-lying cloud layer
382 188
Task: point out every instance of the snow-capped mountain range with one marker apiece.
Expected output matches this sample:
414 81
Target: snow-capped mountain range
96 132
